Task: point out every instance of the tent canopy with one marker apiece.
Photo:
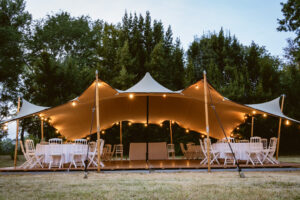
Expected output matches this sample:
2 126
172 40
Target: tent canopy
185 107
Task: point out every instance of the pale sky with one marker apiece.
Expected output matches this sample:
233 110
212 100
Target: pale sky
249 20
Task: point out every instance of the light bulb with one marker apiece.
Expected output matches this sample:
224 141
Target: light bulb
164 95
129 123
187 130
73 103
131 96
254 112
265 115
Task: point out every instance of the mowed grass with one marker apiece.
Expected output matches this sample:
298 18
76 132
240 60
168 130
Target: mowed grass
185 185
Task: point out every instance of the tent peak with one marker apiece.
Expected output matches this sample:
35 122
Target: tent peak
148 85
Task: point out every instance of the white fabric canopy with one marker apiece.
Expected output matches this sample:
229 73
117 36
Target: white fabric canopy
185 107
26 110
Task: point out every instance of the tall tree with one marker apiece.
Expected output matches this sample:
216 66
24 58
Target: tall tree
14 22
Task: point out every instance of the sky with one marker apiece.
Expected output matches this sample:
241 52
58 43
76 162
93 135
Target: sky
248 20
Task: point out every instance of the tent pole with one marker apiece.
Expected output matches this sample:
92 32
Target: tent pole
206 122
17 136
252 125
42 129
98 124
121 142
171 133
279 128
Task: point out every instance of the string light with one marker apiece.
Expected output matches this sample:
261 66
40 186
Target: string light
131 96
238 128
202 136
145 125
164 95
173 122
246 117
187 130
231 135
99 84
117 123
197 87
253 112
103 132
73 103
129 123
5 127
56 131
88 138
287 122
160 124
265 115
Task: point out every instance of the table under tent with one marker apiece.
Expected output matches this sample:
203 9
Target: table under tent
198 108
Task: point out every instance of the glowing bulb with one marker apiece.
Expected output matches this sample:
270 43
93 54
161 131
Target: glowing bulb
103 132
187 130
88 138
231 135
42 118
56 131
173 122
238 128
161 125
99 84
264 115
287 122
129 123
202 136
253 112
5 127
197 87
145 125
131 96
73 103
164 95
246 117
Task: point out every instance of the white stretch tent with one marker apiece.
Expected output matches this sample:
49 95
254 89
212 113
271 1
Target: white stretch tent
185 107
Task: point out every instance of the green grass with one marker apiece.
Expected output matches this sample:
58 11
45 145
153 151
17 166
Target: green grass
187 185
6 161
293 159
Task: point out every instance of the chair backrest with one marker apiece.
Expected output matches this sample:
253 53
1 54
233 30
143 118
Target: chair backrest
119 148
29 146
182 148
101 146
92 146
202 146
55 141
272 144
205 143
108 147
113 150
255 144
244 141
265 143
228 139
170 147
80 141
23 150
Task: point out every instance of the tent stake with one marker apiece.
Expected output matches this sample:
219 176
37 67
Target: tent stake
98 124
17 136
206 122
279 128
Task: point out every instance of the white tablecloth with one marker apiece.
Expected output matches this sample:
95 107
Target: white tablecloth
66 149
240 149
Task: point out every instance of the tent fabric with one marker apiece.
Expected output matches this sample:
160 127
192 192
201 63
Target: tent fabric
27 109
185 107
272 107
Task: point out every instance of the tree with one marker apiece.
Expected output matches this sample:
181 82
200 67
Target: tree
14 21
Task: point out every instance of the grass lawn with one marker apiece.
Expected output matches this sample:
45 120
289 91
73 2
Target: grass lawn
185 185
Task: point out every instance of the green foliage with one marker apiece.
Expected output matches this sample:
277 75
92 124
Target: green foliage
14 21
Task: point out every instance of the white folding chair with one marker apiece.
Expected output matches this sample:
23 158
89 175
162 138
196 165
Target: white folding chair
56 155
228 154
55 141
28 161
228 139
31 153
186 154
119 151
265 143
93 154
269 153
78 154
255 152
214 155
244 141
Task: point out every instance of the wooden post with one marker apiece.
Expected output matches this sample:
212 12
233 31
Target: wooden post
252 125
17 136
98 123
206 122
42 129
279 128
171 133
121 139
